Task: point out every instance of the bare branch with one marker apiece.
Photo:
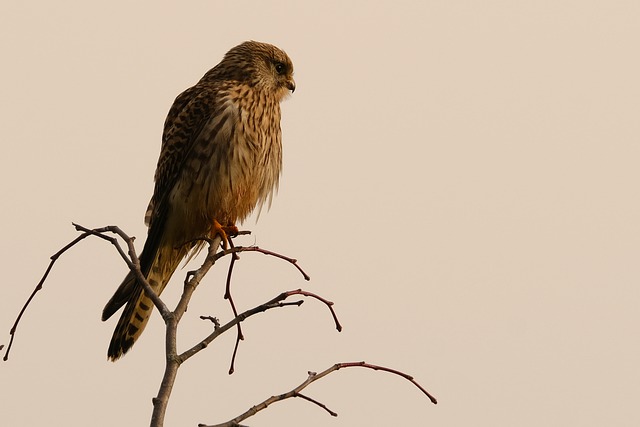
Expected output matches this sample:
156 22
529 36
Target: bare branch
214 320
310 379
99 232
328 303
172 360
227 296
393 371
172 318
271 253
275 302
86 233
237 249
132 260
322 405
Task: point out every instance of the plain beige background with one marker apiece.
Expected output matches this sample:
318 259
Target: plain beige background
460 177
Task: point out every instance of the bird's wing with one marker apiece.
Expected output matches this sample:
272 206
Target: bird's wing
188 115
178 134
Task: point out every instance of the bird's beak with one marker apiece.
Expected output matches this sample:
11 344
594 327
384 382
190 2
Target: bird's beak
291 85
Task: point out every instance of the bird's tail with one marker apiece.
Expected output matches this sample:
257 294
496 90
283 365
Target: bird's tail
139 306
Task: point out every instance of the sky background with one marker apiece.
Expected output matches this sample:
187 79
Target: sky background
461 178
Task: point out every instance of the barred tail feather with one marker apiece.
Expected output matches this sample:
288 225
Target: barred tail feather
139 306
132 322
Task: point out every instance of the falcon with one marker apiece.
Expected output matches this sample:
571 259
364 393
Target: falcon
220 158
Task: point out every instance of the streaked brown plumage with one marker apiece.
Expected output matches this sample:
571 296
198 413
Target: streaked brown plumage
221 157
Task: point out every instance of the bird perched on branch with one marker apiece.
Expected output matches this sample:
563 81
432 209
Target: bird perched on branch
221 157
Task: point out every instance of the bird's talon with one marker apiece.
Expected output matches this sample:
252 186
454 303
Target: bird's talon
231 230
225 232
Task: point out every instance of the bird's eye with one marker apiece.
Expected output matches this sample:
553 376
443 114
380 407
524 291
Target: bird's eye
280 68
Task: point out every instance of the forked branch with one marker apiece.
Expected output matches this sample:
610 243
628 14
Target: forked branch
172 318
99 232
310 379
275 302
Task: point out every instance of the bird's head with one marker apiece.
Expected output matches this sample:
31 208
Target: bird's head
261 65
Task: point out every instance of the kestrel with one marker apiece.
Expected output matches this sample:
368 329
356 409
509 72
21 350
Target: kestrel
221 157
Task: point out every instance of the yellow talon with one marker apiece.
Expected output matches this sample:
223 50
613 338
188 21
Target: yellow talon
224 232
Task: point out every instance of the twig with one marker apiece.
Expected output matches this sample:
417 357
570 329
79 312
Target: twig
310 379
227 296
234 250
322 405
275 302
328 303
293 261
132 260
277 255
238 249
175 360
86 233
392 371
214 320
172 318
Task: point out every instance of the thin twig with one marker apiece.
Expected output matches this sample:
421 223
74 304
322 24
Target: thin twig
392 371
234 250
293 261
277 255
214 320
86 233
310 379
172 319
227 296
322 405
132 260
99 232
328 303
275 302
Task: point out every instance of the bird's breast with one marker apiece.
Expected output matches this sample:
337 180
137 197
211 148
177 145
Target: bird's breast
234 166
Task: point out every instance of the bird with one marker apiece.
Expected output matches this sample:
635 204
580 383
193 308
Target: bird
220 159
